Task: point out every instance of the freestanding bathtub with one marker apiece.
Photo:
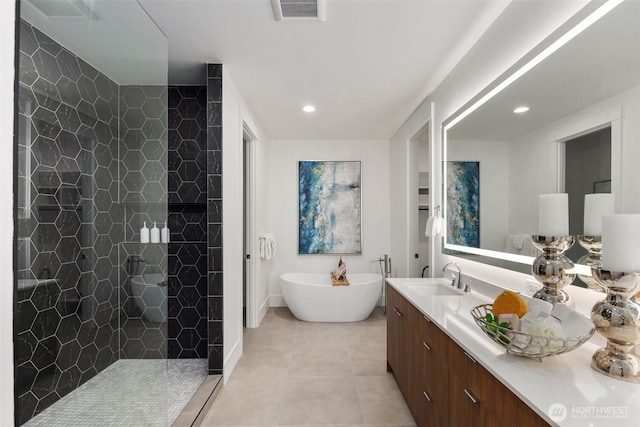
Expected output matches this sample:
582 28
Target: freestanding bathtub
312 298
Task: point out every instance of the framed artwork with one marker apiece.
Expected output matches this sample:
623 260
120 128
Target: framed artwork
602 186
463 203
329 207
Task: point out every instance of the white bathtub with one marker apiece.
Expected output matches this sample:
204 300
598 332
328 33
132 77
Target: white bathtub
312 298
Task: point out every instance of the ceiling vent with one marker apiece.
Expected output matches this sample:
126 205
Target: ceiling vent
299 9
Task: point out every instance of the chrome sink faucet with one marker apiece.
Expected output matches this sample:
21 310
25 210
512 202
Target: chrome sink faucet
455 279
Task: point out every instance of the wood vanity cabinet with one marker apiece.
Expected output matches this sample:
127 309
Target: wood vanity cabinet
397 342
429 371
442 384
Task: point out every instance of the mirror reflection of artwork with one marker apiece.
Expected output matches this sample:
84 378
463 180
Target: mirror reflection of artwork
329 212
463 203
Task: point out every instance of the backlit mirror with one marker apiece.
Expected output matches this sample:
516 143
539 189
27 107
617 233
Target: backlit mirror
580 100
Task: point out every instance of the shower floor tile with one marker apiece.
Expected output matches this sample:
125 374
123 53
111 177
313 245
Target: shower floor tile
149 392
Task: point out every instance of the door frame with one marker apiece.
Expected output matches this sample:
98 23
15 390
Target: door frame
412 191
250 239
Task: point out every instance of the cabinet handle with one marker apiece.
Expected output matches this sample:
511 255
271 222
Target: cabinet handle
470 357
426 345
426 318
471 396
426 396
397 312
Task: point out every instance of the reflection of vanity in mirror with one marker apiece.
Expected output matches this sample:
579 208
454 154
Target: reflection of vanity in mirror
583 102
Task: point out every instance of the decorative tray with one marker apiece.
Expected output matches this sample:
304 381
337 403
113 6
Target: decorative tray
578 330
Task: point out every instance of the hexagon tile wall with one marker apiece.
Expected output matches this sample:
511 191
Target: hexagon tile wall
143 195
188 221
91 156
69 223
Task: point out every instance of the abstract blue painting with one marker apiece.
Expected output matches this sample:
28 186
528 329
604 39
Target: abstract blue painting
463 203
329 213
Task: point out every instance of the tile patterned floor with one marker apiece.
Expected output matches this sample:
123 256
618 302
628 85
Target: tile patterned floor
128 393
298 373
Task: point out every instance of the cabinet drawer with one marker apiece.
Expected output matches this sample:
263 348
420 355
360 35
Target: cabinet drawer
494 396
429 413
396 303
485 388
466 409
433 337
399 306
430 391
460 362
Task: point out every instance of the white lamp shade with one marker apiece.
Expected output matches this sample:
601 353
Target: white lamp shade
595 207
553 214
621 243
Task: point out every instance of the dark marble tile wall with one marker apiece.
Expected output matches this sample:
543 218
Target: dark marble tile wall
143 176
214 216
68 221
187 183
143 321
143 130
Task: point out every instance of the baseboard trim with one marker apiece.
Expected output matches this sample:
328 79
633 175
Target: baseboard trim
262 311
231 361
277 301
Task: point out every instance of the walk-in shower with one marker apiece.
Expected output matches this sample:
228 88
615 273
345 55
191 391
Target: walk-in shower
92 167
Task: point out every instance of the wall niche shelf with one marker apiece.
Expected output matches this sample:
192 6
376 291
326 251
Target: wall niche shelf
423 191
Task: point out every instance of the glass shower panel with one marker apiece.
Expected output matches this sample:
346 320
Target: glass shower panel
76 228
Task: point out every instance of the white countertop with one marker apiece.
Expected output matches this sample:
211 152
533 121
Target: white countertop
590 398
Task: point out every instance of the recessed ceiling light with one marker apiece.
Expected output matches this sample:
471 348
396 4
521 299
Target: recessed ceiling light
521 110
308 108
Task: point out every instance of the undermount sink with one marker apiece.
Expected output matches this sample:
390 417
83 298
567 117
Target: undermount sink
433 290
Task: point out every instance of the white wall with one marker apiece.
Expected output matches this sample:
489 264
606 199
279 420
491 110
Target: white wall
527 179
234 113
400 164
494 187
7 64
282 211
263 268
518 29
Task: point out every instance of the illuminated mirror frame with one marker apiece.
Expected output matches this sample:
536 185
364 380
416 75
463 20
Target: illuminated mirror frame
582 20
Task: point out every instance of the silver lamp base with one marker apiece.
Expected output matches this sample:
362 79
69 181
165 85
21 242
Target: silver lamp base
593 258
551 268
617 318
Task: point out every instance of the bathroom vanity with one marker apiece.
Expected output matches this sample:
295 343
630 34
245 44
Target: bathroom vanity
451 374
